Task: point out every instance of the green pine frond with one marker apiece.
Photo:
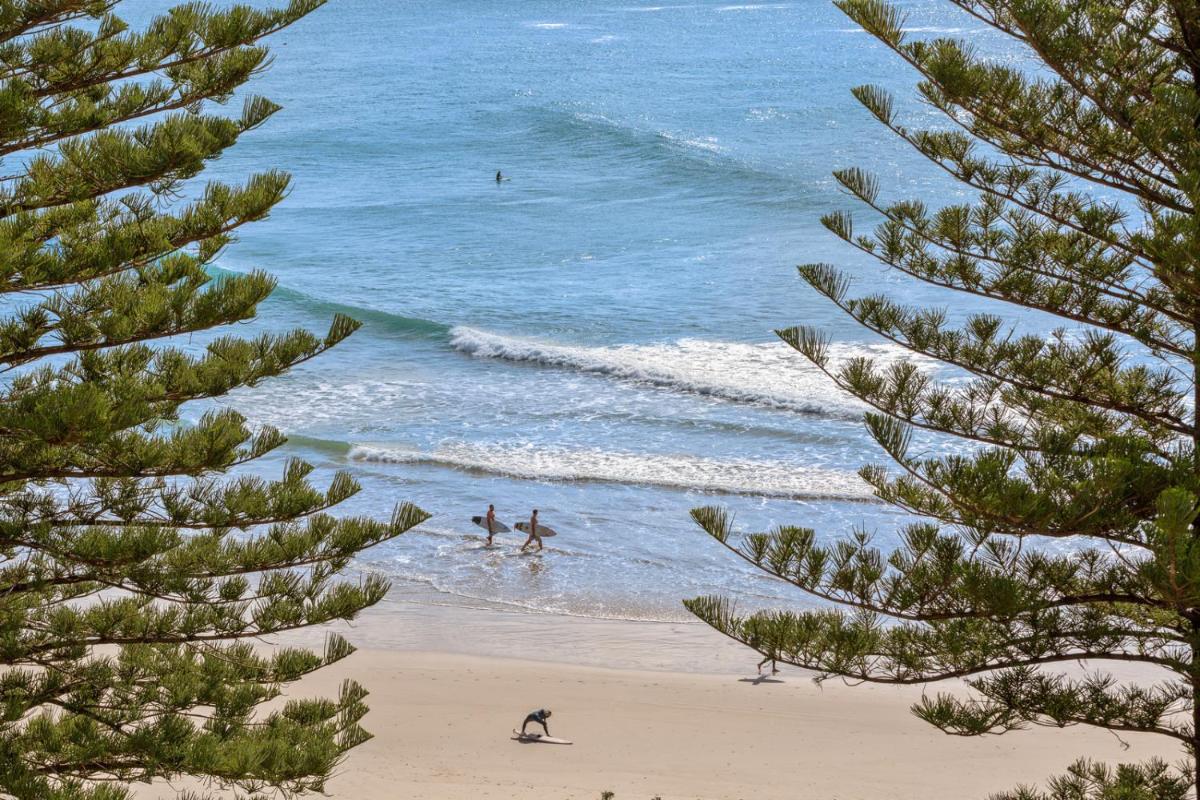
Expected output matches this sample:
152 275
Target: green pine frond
139 565
1056 469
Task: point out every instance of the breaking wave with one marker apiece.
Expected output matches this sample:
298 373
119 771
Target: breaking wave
769 374
552 463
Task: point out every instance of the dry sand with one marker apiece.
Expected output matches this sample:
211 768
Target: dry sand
686 722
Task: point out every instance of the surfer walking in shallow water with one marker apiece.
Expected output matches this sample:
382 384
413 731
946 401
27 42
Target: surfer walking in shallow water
491 522
533 532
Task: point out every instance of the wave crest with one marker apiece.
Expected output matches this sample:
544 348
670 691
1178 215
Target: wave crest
770 374
379 321
382 322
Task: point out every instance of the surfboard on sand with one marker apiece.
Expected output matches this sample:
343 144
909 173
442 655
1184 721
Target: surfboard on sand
537 737
497 525
543 531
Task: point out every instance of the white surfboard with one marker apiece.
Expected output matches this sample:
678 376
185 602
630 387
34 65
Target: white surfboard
543 531
497 525
537 737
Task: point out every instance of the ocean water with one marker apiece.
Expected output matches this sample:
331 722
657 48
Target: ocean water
593 337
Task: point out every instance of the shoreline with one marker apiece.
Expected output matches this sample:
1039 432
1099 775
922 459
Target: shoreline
415 618
667 710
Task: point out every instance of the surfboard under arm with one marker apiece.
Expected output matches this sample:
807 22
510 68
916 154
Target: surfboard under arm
543 531
497 525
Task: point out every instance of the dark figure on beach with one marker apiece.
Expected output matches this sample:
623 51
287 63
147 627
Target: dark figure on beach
499 177
540 716
491 522
533 533
763 663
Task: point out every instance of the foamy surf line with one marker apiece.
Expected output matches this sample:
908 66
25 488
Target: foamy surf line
770 374
689 473
459 597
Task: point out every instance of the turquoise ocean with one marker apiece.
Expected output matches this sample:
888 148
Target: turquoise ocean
593 337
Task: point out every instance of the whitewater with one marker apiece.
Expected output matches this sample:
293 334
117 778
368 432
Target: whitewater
547 463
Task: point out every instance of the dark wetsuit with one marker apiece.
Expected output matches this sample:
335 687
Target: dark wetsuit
539 717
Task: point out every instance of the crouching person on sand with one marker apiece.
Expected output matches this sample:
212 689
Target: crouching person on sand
540 716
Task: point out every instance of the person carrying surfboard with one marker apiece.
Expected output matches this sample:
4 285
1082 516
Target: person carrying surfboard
540 716
491 522
533 533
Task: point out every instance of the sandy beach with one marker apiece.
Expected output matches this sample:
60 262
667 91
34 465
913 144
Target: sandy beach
683 719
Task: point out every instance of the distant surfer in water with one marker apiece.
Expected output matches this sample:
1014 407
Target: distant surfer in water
491 522
499 177
533 534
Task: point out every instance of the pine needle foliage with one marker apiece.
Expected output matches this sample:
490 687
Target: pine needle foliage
1085 174
135 573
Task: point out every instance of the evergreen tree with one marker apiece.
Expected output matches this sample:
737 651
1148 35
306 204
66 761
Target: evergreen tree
133 576
1086 172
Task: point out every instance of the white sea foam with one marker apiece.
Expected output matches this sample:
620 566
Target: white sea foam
708 143
553 463
295 405
765 114
936 29
769 374
547 26
918 29
754 7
